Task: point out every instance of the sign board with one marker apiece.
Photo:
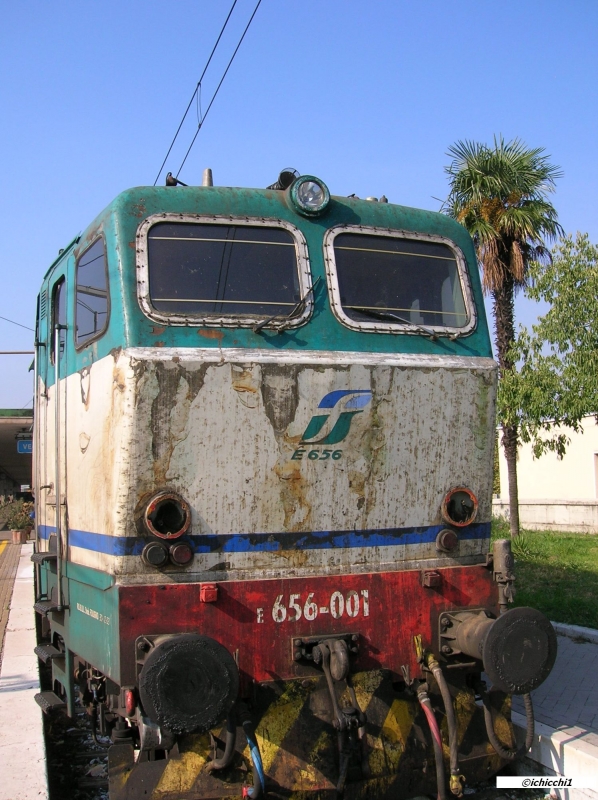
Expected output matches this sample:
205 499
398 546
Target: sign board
25 487
25 446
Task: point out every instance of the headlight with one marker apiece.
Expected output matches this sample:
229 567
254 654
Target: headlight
167 515
310 195
460 507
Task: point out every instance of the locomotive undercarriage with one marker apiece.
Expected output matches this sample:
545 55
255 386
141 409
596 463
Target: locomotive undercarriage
384 750
328 735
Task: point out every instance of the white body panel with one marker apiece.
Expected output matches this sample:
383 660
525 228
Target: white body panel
221 427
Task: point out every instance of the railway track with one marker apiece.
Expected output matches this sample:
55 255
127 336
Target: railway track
77 767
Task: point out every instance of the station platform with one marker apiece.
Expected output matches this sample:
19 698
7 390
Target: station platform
22 751
565 706
566 713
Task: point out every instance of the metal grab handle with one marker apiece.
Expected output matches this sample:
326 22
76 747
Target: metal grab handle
58 518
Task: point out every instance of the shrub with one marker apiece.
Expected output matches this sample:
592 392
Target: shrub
17 515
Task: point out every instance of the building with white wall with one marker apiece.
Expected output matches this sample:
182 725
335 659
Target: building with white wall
556 494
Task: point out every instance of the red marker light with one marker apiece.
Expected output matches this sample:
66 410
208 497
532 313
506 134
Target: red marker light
181 554
130 702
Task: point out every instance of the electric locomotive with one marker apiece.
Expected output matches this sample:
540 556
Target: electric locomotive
263 449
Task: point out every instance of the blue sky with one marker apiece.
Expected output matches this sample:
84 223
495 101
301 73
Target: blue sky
367 95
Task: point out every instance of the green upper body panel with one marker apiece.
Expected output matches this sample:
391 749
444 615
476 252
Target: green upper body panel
128 326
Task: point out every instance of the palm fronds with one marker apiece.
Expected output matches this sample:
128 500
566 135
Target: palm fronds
499 194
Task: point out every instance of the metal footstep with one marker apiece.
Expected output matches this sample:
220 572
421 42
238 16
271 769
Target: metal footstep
46 606
49 701
46 652
40 558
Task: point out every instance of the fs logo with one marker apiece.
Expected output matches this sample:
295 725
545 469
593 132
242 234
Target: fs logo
335 428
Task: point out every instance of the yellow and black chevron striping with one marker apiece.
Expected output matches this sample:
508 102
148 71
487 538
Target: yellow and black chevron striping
300 750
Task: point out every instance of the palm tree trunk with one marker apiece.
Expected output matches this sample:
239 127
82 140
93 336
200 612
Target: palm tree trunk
503 297
509 442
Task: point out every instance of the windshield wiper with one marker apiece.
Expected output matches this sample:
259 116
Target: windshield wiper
390 317
286 321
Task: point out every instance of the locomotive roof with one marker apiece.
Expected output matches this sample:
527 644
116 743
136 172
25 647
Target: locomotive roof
141 201
120 222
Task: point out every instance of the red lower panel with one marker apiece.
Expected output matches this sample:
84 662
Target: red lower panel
260 618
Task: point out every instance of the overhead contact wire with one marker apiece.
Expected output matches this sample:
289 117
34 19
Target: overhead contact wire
17 323
199 127
197 87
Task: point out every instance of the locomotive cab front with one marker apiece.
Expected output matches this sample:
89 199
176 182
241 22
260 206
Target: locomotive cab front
263 457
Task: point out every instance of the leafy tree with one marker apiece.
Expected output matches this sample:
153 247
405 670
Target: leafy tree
499 194
556 381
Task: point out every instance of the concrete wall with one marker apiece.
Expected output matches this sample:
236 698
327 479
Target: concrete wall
576 516
556 494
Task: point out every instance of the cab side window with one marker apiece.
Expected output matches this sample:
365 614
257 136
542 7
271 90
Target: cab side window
91 316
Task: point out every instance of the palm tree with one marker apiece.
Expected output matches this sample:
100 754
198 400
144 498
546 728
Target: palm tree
499 194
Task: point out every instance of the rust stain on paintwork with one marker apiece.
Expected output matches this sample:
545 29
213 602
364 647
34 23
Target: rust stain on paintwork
118 378
243 380
279 388
297 510
138 209
209 334
374 442
157 329
357 486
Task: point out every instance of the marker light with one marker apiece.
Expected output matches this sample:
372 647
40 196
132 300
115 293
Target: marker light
447 541
310 195
181 554
155 554
130 702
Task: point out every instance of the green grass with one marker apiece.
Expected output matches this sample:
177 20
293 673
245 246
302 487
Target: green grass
557 573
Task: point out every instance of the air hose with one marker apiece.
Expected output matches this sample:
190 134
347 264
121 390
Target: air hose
424 701
259 781
229 746
456 777
505 752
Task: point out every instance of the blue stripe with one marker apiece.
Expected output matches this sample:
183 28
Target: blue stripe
270 542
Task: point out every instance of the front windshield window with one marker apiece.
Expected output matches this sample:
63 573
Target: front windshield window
215 272
395 281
